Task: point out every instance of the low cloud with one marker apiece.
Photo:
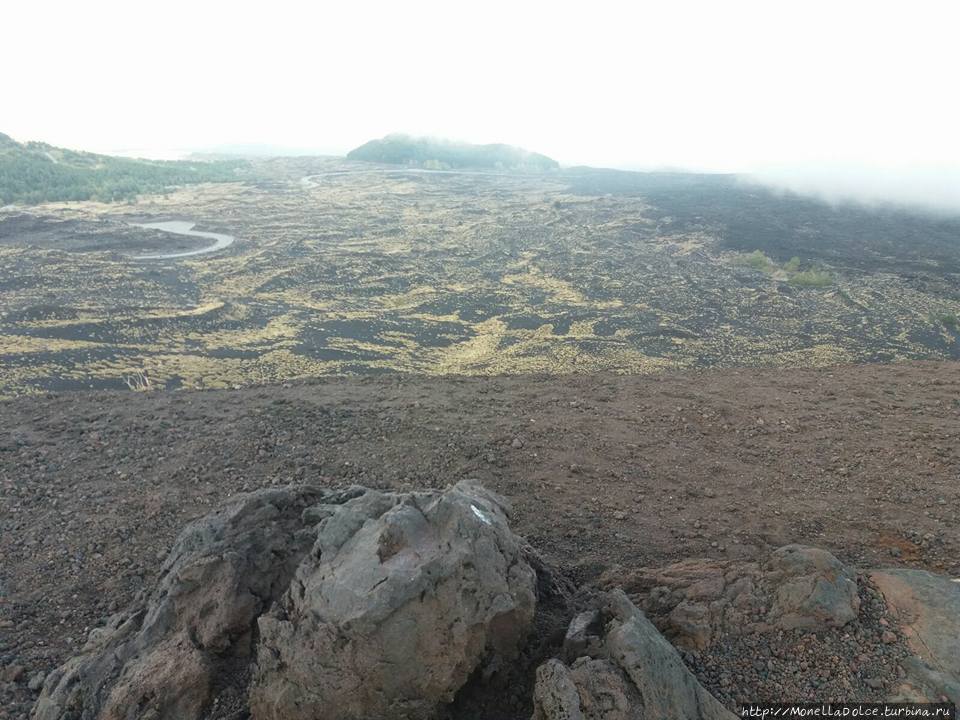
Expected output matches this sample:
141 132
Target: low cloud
931 188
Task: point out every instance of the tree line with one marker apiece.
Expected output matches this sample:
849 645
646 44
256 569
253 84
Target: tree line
35 172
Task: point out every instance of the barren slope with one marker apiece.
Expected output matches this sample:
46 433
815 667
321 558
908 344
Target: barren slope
861 460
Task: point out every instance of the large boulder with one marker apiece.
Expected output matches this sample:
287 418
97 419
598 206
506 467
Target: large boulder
162 658
927 606
399 601
625 670
384 604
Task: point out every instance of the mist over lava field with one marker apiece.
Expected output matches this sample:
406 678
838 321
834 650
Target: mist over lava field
342 267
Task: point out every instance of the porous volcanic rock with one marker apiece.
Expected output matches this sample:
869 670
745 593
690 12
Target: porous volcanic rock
162 658
399 601
411 592
630 673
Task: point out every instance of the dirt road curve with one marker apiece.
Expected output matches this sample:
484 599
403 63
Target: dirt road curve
183 227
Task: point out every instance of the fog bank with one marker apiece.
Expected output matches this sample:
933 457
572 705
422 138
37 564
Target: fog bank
923 187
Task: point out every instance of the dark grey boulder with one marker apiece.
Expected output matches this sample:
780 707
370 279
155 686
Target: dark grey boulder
163 657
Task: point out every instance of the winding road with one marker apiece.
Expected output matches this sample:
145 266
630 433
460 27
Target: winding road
184 227
221 241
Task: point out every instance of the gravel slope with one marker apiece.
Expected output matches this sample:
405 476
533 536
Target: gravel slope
602 470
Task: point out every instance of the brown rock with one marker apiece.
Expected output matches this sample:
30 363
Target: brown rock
691 623
12 673
927 606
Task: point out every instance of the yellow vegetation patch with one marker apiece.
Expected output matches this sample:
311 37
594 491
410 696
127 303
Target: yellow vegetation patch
278 330
25 344
469 356
560 291
411 298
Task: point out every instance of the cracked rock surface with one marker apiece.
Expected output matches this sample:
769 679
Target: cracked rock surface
398 602
361 583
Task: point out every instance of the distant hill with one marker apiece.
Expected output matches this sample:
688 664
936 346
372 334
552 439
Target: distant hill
437 154
36 172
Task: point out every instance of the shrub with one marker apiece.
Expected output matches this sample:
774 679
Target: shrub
947 319
756 260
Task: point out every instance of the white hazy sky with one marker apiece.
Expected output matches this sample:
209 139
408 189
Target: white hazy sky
731 85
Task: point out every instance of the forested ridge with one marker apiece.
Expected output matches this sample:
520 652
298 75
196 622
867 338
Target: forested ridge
438 154
36 172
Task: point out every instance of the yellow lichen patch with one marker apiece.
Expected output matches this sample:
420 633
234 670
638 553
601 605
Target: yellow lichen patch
471 355
193 370
495 350
25 345
431 319
410 299
278 331
581 329
24 376
144 314
688 243
559 291
282 364
236 279
407 342
298 298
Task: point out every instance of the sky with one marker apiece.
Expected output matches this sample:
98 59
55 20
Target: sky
835 92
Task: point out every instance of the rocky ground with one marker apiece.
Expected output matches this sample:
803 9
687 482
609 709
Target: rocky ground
719 614
603 472
853 664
